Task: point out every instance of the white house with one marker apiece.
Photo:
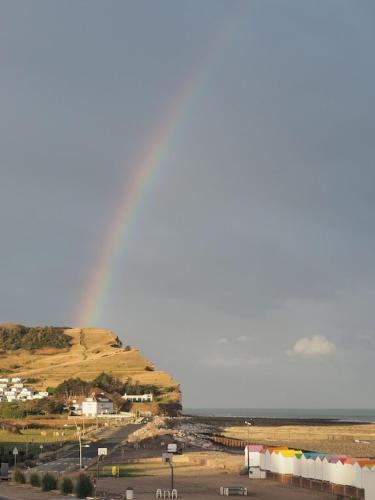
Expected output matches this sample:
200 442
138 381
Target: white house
76 404
98 404
139 398
25 393
14 390
41 395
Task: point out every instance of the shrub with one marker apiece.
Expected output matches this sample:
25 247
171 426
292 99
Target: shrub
31 380
49 482
13 337
19 476
84 487
66 486
35 479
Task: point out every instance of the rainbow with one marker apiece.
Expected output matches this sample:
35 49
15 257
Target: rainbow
135 191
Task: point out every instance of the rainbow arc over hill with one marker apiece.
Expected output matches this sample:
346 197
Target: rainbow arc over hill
136 188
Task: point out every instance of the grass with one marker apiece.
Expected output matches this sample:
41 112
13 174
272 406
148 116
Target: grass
38 436
125 470
140 469
29 440
99 354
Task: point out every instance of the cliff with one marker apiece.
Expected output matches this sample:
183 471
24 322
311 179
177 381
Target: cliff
83 353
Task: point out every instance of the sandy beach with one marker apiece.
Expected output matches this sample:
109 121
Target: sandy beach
348 438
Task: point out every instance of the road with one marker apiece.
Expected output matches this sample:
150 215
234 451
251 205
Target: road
69 461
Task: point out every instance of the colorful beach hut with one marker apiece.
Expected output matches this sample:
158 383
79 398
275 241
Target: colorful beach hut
252 455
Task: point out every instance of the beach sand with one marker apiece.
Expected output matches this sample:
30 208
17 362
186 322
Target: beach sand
328 438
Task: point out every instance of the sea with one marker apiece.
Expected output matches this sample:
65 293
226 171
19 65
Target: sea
340 415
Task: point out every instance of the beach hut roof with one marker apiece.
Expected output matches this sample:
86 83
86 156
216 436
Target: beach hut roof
290 453
271 449
335 459
254 447
313 454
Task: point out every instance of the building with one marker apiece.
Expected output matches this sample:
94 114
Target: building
12 389
139 398
76 404
98 404
41 395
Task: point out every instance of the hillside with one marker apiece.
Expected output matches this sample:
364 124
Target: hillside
89 352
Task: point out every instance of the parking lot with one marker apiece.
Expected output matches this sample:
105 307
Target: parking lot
205 487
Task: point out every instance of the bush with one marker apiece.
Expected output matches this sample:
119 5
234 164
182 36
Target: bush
13 337
35 479
66 486
49 482
19 476
84 487
31 380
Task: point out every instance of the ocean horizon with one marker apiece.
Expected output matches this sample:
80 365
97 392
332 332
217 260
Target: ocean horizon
346 414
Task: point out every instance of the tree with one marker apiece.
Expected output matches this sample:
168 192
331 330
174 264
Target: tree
84 487
73 387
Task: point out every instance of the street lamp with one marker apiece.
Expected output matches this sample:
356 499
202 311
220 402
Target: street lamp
248 442
80 445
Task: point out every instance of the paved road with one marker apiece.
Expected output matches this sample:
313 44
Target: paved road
70 460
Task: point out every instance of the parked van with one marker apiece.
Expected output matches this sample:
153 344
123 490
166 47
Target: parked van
174 448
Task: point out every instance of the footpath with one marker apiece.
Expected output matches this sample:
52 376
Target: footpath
11 491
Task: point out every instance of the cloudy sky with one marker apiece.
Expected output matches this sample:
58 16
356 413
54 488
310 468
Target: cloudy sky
248 272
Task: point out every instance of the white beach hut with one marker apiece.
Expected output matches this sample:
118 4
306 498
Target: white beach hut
297 466
369 483
357 476
274 461
325 467
262 460
307 467
318 474
348 474
252 455
287 460
268 455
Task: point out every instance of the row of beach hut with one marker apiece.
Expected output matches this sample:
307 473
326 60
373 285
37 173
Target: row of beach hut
340 469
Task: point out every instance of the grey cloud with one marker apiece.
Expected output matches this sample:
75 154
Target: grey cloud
258 222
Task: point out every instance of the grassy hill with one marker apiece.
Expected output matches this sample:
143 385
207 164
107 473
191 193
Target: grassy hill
83 353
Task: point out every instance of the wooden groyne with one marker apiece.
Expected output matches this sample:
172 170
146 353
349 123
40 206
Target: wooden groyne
228 442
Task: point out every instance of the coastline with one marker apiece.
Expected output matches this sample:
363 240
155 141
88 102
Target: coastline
295 415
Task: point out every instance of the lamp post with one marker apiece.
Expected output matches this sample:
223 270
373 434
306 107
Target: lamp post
172 475
248 451
168 459
80 445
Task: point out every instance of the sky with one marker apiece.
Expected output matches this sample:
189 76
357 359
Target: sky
248 270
